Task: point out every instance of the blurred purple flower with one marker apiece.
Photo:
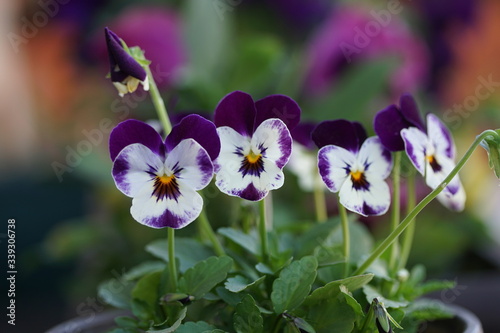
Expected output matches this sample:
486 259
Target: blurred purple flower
346 28
157 31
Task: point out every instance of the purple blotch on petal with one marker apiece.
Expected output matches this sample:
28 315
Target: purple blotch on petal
167 219
277 106
342 133
251 193
197 128
236 110
127 66
134 131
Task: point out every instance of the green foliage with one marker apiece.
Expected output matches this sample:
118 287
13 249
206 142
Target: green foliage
247 317
205 275
293 284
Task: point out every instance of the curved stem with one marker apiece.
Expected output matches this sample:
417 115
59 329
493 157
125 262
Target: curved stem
409 232
319 201
396 208
209 232
263 231
418 208
172 266
159 105
345 237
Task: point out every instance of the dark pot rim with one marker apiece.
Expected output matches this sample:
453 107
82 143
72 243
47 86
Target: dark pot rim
105 320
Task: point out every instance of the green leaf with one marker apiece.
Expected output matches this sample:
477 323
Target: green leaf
143 269
124 322
293 284
116 292
239 283
248 242
229 297
332 315
372 293
332 289
434 285
187 250
247 318
174 327
205 275
148 294
315 236
428 309
351 301
195 327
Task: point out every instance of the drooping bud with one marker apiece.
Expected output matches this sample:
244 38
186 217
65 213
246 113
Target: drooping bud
492 146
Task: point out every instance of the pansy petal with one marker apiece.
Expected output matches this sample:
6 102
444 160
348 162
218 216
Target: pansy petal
374 158
198 128
360 132
134 131
277 106
455 202
388 124
440 136
416 143
304 165
190 164
409 110
302 134
118 57
334 165
434 176
134 167
273 140
175 213
236 110
373 201
339 132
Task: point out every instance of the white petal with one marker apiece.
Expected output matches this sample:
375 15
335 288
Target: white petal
440 137
334 164
159 213
192 160
304 165
374 158
455 202
416 146
134 167
272 138
434 178
374 201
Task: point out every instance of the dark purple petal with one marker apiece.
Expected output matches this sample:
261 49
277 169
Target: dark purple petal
360 132
197 128
410 112
388 124
127 66
134 131
342 133
236 110
250 193
302 134
277 106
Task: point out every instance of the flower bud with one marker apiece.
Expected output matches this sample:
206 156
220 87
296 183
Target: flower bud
492 146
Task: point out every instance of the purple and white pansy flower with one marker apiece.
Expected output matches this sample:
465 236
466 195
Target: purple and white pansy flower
255 143
126 72
354 165
432 152
162 176
429 146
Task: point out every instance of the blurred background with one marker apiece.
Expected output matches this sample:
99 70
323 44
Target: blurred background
337 59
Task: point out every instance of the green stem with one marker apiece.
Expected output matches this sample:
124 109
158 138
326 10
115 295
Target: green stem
396 207
421 205
345 237
319 201
161 110
408 233
209 232
263 231
171 259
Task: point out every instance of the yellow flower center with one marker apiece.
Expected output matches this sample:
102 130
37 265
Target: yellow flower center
166 187
356 176
253 158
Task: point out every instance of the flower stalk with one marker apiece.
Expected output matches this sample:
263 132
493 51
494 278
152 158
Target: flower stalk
422 204
319 201
209 232
158 103
263 231
346 238
396 208
408 233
